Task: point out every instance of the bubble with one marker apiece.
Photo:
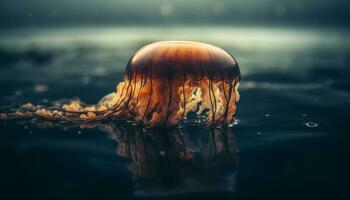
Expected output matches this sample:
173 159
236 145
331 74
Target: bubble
198 121
267 115
311 124
236 121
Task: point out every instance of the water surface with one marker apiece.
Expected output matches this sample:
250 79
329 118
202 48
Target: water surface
294 102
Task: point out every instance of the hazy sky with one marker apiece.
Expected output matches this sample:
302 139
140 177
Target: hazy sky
56 12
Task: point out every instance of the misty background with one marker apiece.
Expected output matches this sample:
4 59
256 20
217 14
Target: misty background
16 13
87 43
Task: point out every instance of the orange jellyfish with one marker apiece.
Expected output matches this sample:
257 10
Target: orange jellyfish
164 83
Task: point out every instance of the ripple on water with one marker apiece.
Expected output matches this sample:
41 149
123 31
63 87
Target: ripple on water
311 124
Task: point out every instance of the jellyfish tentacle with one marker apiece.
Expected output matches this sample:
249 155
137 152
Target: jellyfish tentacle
134 88
150 94
183 89
234 88
211 101
170 86
223 88
138 94
117 103
153 121
184 97
126 103
215 106
228 101
211 92
226 107
170 83
103 113
129 77
149 72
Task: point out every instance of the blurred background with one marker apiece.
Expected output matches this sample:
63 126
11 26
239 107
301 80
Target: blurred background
180 12
294 58
78 41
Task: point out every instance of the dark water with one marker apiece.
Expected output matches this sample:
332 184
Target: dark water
292 117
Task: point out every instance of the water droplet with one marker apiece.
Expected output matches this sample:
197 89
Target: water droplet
311 124
235 122
198 121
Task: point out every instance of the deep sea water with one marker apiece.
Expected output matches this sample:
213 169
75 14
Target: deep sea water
292 117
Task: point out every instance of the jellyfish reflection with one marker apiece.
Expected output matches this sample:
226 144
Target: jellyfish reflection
172 162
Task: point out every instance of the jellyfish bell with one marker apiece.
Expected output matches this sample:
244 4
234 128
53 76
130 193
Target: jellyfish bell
164 81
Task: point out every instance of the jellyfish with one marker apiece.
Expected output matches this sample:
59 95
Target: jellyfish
164 84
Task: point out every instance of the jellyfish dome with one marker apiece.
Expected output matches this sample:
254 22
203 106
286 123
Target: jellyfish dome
166 81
